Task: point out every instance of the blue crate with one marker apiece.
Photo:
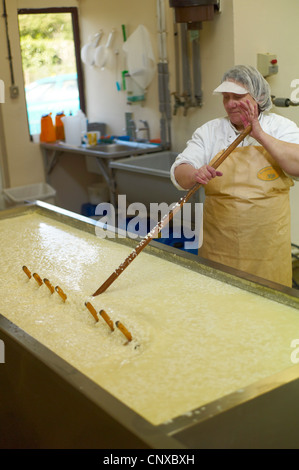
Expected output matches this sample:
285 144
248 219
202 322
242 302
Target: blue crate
88 209
170 240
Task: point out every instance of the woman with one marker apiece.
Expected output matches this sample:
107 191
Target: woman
246 209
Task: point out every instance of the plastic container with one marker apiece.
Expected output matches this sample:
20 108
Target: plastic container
97 126
59 128
83 120
48 133
72 130
74 126
32 192
98 193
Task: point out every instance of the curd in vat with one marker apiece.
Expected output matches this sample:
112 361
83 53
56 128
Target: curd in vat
194 338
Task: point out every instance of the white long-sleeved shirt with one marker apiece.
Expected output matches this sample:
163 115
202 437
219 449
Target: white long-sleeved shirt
218 134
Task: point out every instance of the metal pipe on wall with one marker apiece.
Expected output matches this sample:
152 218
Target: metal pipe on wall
191 93
163 78
185 66
190 14
197 87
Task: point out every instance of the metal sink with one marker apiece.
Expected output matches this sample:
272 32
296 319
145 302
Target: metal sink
111 148
119 149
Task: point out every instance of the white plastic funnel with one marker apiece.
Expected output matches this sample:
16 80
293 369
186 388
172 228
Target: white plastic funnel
88 50
102 52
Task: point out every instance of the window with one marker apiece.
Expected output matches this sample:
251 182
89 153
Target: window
50 49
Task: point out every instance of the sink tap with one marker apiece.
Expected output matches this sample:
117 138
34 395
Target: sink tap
131 131
145 128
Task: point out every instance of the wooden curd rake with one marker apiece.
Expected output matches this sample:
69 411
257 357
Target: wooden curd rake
167 218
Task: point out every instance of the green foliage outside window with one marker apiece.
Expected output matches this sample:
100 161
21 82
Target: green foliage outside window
47 45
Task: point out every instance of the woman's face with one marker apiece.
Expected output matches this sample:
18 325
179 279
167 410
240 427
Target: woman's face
231 104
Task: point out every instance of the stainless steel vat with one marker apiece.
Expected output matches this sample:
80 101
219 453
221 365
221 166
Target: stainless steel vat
47 403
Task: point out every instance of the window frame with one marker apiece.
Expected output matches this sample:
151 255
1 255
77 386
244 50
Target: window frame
77 42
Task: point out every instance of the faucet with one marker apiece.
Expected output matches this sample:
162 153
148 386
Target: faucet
145 128
177 102
131 130
188 103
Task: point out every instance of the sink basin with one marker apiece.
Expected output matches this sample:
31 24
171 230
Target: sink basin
146 179
121 149
111 148
115 151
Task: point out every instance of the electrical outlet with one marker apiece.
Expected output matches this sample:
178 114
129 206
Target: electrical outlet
14 91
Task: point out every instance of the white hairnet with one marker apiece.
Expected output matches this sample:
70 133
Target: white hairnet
254 83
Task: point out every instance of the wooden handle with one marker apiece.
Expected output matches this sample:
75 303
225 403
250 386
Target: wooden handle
167 218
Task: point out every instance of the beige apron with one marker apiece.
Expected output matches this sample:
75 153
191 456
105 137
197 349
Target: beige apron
247 216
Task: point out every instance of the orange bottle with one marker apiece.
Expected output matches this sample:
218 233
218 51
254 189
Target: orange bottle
47 129
59 129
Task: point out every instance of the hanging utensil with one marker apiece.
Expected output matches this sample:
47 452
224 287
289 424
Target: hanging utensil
101 53
168 217
88 50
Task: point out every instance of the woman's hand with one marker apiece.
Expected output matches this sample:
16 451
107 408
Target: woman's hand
286 154
204 174
250 115
187 176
